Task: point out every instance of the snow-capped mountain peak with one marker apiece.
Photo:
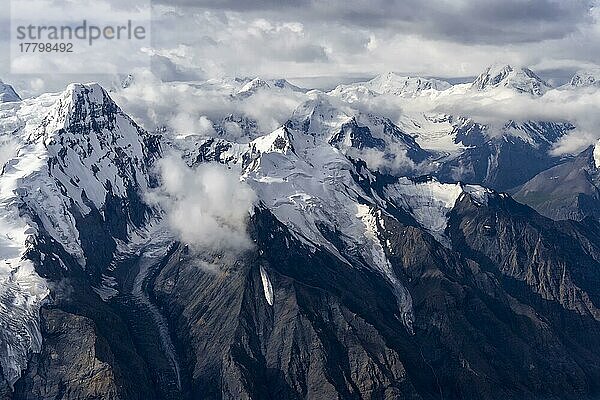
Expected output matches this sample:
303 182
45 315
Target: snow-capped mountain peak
257 84
520 79
389 83
279 141
586 78
74 153
319 116
252 86
7 93
88 132
394 84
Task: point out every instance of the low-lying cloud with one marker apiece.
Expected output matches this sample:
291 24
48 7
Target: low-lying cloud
579 106
193 108
206 206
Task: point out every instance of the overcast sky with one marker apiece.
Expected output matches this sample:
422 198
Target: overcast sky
448 38
349 38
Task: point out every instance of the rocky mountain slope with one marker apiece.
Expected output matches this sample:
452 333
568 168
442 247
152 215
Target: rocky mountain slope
70 194
586 78
566 191
371 270
7 93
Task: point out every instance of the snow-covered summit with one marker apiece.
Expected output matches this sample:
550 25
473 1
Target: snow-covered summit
94 143
586 78
71 153
320 116
7 93
394 84
253 86
389 83
371 138
278 141
257 84
520 79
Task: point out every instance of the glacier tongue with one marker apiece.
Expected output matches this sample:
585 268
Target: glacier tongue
373 224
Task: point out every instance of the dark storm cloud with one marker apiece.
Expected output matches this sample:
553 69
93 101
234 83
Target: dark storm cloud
468 21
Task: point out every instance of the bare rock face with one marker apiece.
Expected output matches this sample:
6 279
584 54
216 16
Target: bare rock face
317 340
336 332
69 366
566 191
554 259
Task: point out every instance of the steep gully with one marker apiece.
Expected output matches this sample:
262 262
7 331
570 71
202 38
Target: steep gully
149 328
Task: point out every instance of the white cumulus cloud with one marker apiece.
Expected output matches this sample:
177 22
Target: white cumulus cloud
206 206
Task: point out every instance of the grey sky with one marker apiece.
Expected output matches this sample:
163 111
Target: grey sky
337 38
445 38
470 21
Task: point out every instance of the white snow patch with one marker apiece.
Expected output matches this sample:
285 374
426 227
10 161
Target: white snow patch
389 84
597 155
428 202
267 286
369 219
432 131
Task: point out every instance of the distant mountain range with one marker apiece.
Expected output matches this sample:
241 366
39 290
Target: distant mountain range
429 256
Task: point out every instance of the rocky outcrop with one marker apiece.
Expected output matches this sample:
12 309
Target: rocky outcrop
566 191
70 364
317 340
556 261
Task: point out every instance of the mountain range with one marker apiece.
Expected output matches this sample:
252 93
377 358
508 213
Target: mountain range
347 253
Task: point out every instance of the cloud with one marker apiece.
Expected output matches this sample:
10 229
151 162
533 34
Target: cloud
432 37
168 71
186 123
487 21
192 40
394 160
206 206
190 108
580 107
